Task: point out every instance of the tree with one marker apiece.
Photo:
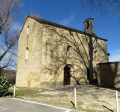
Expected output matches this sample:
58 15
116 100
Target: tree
4 86
8 35
104 6
80 50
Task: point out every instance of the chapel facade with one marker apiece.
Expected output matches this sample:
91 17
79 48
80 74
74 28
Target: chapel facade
51 54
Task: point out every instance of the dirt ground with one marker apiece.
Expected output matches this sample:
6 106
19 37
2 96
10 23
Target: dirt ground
89 98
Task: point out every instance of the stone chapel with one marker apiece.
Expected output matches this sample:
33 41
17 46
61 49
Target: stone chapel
53 55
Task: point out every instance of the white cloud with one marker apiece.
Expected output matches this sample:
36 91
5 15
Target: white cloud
115 56
67 21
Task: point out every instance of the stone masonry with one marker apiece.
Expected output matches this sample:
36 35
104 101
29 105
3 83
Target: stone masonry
109 74
50 54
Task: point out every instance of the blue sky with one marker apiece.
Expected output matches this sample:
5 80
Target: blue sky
70 13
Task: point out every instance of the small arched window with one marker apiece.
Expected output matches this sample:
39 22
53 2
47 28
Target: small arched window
27 30
68 47
96 54
27 53
88 26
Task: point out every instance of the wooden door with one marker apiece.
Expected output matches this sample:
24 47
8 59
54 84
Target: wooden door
67 75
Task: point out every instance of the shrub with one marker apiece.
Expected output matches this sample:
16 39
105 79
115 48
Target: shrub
4 86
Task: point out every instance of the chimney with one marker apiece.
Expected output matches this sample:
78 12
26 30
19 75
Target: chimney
88 26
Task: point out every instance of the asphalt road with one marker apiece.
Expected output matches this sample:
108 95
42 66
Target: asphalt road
18 105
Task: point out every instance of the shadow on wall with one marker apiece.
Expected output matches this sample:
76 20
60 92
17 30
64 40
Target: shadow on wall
67 46
109 74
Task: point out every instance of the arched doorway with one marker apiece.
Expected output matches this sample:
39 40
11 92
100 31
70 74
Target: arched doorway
66 75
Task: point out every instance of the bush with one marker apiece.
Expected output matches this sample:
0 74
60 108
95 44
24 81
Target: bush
4 86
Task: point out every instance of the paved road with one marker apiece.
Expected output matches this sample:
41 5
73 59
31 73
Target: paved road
18 105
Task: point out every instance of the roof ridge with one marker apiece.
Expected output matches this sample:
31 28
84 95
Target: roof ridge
62 26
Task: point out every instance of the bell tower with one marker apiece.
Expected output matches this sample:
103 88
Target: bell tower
88 26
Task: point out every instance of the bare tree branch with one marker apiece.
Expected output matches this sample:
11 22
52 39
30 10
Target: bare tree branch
104 6
9 9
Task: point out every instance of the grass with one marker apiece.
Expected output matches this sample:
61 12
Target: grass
24 92
39 96
61 98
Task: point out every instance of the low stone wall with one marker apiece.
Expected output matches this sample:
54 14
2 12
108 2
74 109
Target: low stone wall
108 73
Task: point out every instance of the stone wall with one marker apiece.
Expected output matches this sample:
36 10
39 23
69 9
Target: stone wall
58 39
43 53
29 55
107 74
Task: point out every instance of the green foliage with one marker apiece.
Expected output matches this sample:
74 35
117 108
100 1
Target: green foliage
4 86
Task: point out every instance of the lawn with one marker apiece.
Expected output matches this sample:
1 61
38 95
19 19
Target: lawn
89 98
